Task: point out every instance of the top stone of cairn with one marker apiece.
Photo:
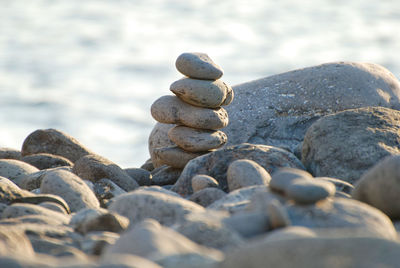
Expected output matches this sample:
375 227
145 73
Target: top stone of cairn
198 66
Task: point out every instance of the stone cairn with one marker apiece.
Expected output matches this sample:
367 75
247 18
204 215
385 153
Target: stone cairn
195 109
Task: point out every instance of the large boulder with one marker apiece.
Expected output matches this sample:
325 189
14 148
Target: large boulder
346 144
277 110
215 164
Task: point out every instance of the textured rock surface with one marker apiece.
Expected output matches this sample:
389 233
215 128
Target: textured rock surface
316 252
15 169
380 186
174 156
202 93
19 210
10 153
95 167
197 140
198 65
140 204
44 160
71 188
202 181
245 172
207 196
171 110
215 164
165 175
53 141
9 191
372 133
277 110
141 176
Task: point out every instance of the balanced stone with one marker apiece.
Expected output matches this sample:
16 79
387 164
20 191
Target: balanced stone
198 65
202 181
281 179
171 110
174 156
245 172
203 93
309 191
197 140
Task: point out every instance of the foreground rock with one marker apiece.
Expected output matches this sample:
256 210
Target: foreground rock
380 186
277 110
71 188
215 164
141 204
162 245
15 169
55 142
316 252
372 133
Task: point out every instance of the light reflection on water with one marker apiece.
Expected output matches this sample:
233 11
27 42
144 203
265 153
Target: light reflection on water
92 68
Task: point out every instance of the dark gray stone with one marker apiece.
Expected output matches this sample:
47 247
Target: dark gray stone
346 144
141 176
215 164
44 160
165 175
207 196
55 142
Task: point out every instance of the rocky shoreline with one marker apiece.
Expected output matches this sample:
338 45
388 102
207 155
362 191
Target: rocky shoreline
308 177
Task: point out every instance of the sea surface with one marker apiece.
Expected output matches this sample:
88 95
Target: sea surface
92 68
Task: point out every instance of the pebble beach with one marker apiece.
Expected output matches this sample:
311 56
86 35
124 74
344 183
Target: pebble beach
298 169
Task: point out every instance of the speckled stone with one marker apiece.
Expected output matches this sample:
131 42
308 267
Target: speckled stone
202 93
202 181
198 65
246 172
174 156
309 191
171 110
197 140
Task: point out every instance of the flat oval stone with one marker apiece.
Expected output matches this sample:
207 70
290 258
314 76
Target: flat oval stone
309 191
198 65
203 93
246 172
171 110
283 177
197 140
202 181
174 156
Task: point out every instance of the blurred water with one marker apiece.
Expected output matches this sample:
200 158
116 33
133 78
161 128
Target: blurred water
92 68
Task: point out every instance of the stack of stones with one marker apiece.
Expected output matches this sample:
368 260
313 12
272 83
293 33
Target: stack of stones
195 109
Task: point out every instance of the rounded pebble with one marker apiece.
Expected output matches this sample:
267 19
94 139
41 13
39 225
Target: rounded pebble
201 181
309 191
282 178
198 65
245 172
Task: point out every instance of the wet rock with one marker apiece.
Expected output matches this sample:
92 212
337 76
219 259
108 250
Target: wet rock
245 172
371 133
380 186
54 142
141 176
201 181
197 140
202 93
71 188
45 161
94 167
215 164
198 65
171 110
142 204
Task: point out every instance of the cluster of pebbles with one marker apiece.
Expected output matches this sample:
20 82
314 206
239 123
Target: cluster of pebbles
195 109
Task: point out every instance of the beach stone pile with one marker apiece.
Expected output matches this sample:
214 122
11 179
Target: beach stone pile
195 111
333 202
